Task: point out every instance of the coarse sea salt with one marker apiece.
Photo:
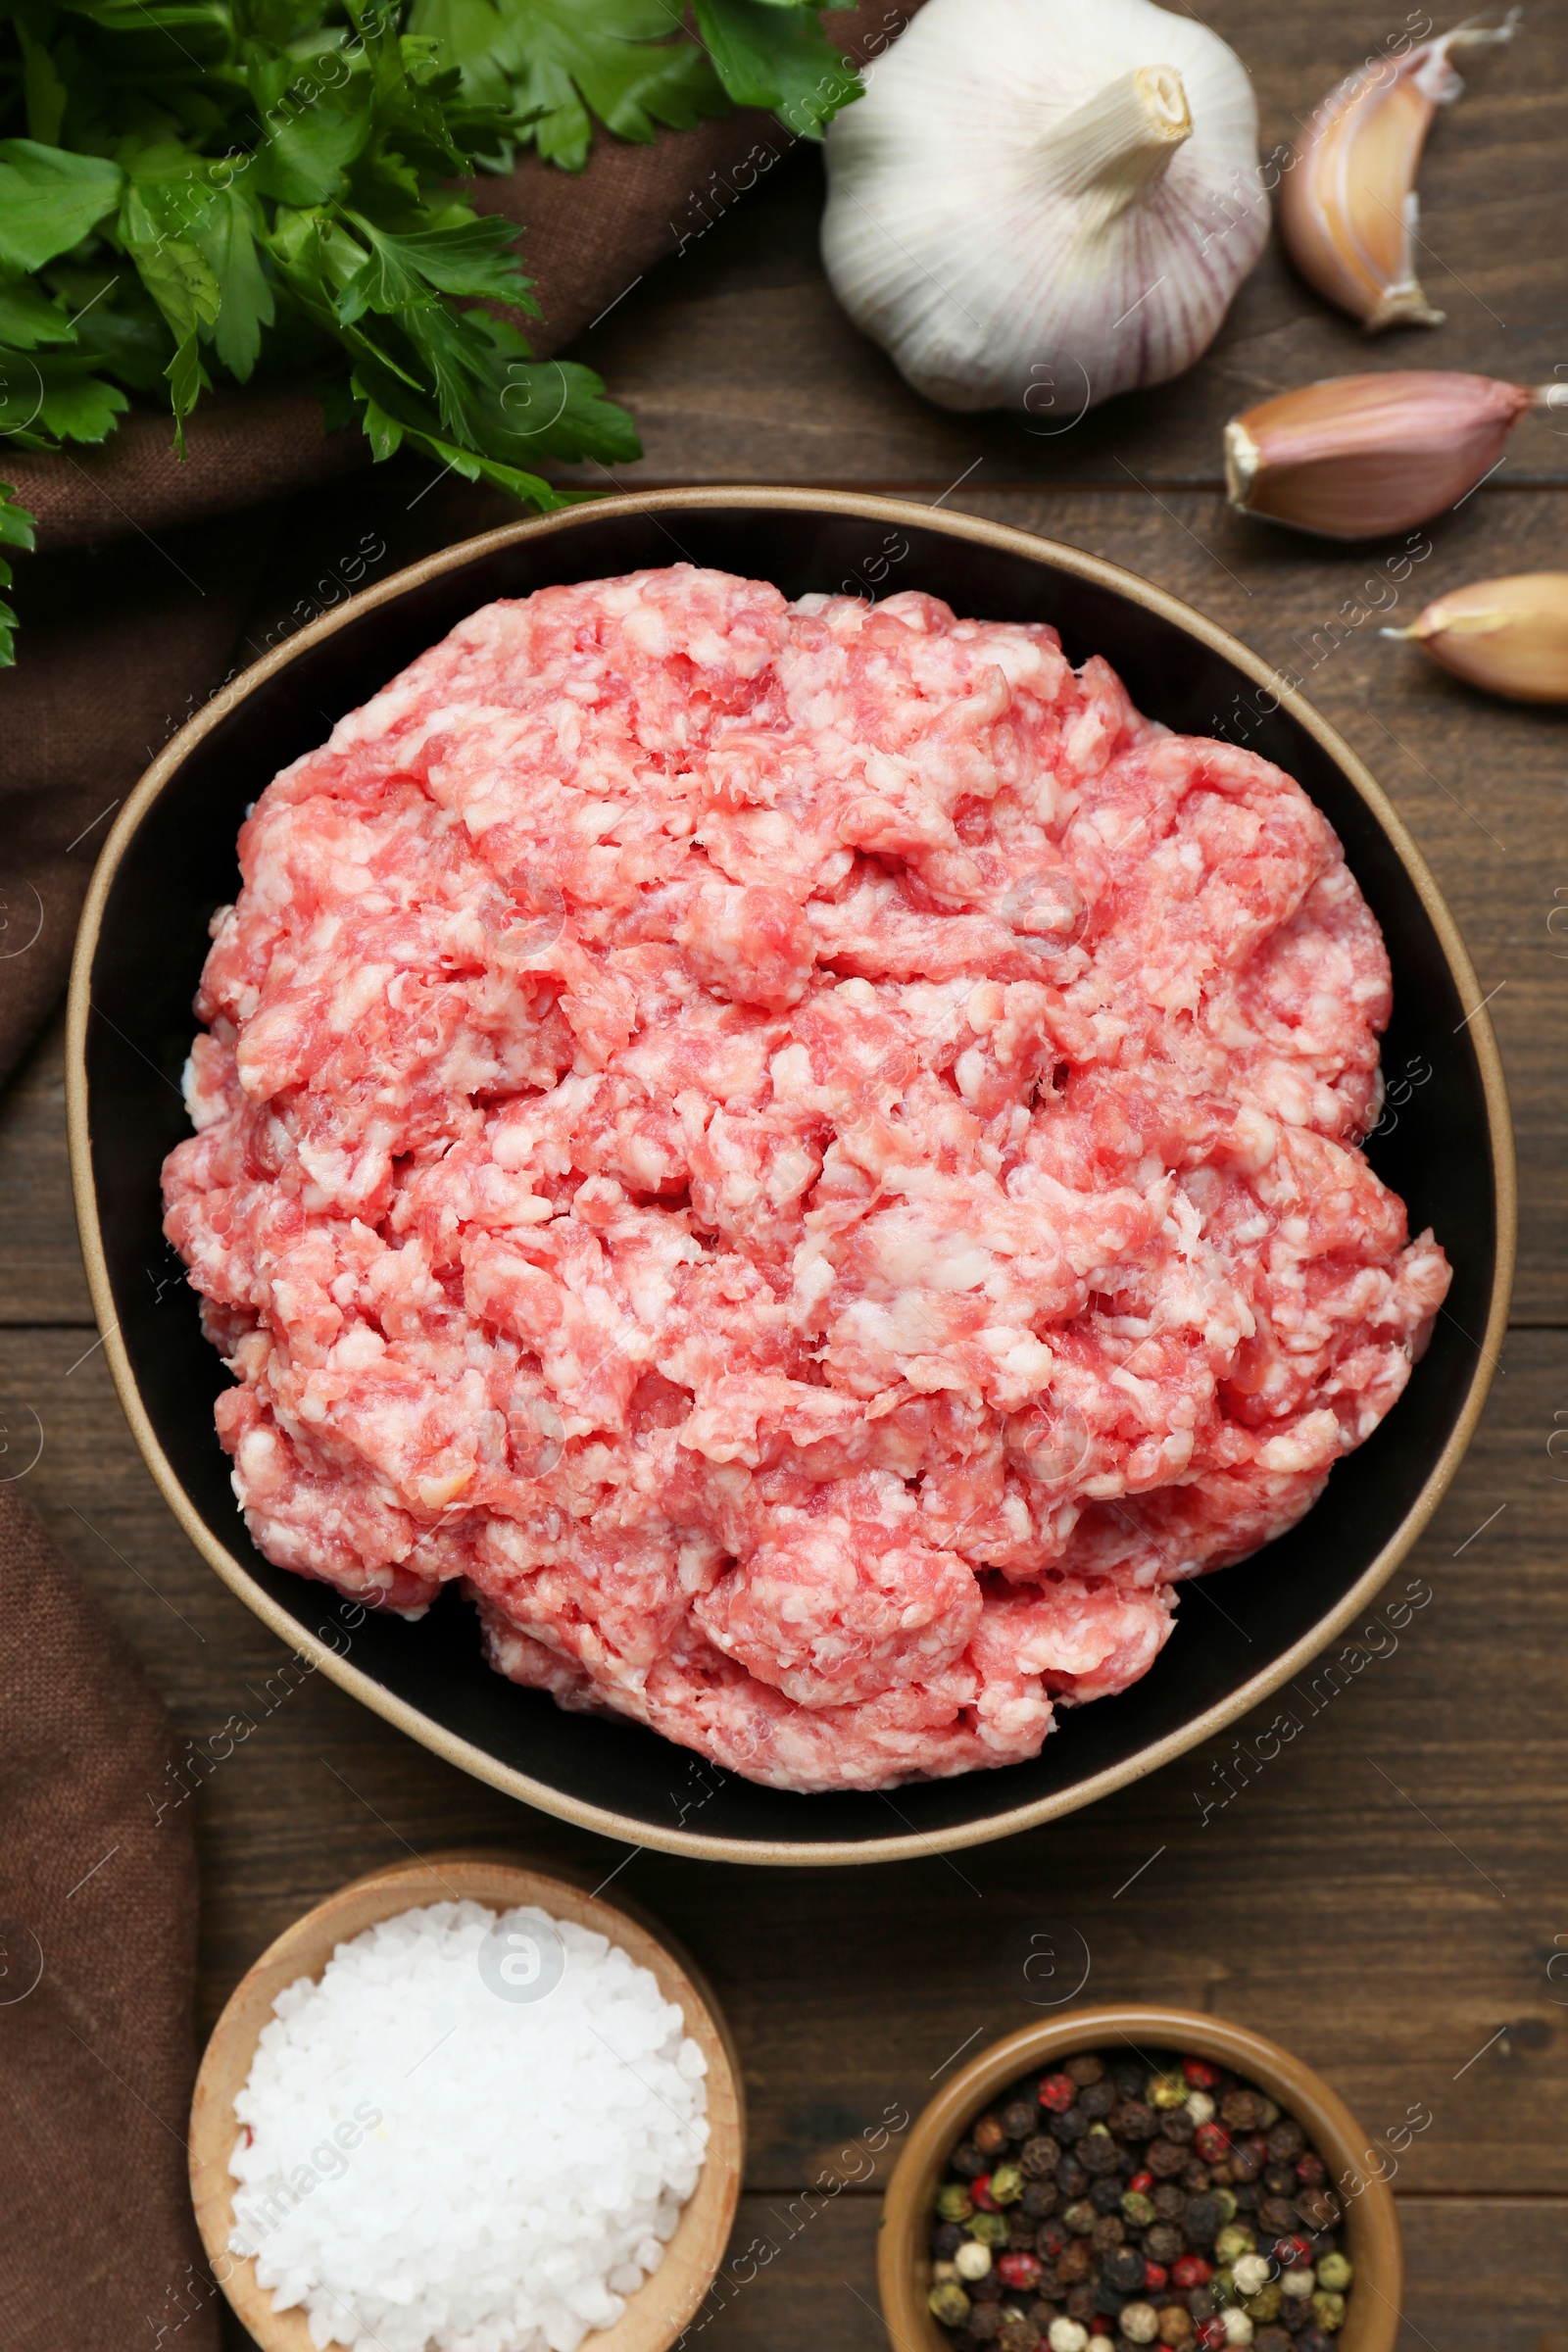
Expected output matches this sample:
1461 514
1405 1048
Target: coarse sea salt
474 2134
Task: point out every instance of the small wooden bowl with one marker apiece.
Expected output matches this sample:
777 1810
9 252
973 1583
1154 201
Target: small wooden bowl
903 2261
664 2304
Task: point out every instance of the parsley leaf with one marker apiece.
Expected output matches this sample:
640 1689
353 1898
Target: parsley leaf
192 192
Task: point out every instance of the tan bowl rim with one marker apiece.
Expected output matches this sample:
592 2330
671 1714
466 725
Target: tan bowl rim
1371 2220
463 1753
500 1881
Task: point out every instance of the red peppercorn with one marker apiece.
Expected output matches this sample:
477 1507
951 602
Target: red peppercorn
1211 2334
1292 2253
980 2192
1311 2169
1155 2276
1141 2183
1200 2073
1192 2271
1057 2093
1213 2143
1020 2270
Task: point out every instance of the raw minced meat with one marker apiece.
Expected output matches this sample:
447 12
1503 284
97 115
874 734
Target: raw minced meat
804 1154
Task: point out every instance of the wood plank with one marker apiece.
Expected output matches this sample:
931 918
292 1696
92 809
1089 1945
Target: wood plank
1479 2269
41 1280
1383 1896
738 363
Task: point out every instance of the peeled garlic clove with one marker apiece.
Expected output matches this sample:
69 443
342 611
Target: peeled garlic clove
1348 203
1356 455
1510 636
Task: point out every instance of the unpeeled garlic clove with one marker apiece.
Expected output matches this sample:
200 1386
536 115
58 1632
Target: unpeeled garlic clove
1510 636
1357 456
1348 201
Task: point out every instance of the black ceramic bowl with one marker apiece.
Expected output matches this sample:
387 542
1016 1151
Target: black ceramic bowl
1240 1634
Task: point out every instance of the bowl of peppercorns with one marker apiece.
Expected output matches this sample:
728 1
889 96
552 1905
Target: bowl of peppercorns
1137 2179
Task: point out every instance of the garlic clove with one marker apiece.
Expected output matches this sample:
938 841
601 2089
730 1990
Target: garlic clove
1356 455
1348 203
1509 636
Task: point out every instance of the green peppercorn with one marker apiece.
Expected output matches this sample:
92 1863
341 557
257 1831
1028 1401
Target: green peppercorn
1167 2090
1265 2304
1006 2184
1222 2287
1137 2208
989 2228
953 2201
1225 2201
1329 2312
949 2303
1335 2273
1233 2240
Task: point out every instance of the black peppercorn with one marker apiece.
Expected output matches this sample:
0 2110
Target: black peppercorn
967 2161
1128 2078
945 2239
1107 2302
1177 2123
1043 2312
1277 2215
1202 2220
1085 2069
1279 2180
1200 2303
1071 2124
1271 2339
1296 2313
1099 2154
1019 2121
1162 2243
1072 2179
1038 2157
984 2320
1021 2232
988 2136
1105 2196
1196 2177
1074 2262
1241 2111
1081 2301
1317 2208
1123 2269
1039 2198
1168 2201
1133 2120
1314 2339
1287 2140
1018 2332
1098 2099
1244 2161
1247 2197
984 2291
1165 2158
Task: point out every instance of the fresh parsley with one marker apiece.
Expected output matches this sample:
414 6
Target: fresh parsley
204 191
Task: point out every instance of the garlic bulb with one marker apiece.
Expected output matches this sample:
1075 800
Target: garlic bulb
1042 203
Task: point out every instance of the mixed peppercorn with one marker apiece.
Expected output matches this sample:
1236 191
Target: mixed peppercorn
1104 2208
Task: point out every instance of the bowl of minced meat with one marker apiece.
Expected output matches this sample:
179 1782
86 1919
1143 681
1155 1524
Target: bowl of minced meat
795 1169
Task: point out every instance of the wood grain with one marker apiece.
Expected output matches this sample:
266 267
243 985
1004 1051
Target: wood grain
1388 1895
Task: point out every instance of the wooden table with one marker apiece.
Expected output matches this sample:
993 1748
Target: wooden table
1390 1895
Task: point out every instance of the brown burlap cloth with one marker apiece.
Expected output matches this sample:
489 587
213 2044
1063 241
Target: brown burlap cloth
114 645
98 2249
